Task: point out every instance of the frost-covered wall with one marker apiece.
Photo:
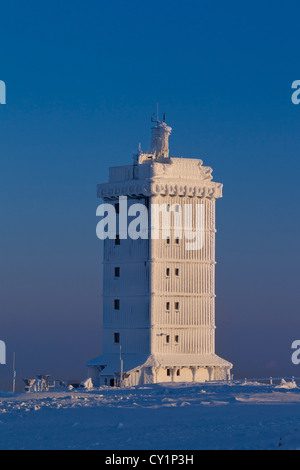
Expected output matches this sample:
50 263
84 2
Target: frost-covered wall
130 288
183 287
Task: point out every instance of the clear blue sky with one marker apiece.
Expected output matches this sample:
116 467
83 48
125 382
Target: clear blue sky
83 79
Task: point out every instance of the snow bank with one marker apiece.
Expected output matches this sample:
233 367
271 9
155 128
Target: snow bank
287 385
88 384
159 416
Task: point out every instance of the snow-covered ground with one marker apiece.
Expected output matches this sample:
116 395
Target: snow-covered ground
166 416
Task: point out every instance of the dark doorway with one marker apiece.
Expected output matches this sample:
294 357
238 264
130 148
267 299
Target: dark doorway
112 382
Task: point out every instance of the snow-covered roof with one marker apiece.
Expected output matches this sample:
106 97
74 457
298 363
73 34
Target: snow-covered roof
181 360
135 361
112 362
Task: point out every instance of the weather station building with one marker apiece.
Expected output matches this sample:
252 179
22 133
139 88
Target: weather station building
158 296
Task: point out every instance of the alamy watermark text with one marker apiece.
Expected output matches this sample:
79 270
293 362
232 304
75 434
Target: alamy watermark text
163 220
2 92
2 353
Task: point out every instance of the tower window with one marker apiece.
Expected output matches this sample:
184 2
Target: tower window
177 241
168 272
168 240
117 304
168 372
178 372
176 339
176 272
117 240
117 272
176 305
117 337
168 306
167 339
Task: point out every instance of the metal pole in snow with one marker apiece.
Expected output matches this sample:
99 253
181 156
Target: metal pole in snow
121 368
14 372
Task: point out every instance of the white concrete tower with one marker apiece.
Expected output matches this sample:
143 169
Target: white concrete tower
158 294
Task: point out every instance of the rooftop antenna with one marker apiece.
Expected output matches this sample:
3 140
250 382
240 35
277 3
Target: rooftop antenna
157 115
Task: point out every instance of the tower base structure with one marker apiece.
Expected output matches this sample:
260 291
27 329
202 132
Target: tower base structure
106 369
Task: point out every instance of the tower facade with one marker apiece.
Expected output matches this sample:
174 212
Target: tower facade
158 298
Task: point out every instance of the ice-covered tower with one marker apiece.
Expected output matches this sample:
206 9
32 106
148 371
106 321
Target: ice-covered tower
158 298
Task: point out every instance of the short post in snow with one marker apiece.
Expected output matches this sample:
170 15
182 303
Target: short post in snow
121 367
14 373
